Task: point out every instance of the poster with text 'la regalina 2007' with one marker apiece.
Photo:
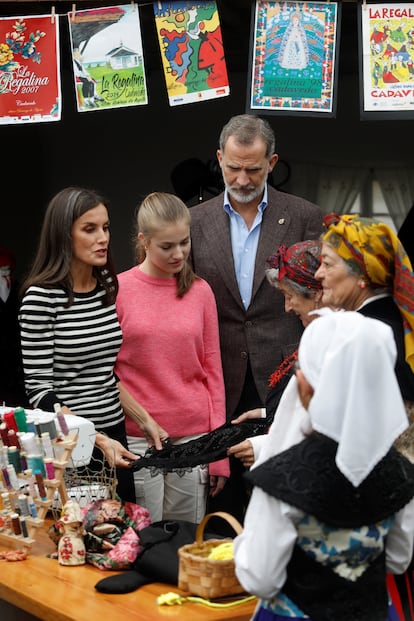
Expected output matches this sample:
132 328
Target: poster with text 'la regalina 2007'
29 70
388 57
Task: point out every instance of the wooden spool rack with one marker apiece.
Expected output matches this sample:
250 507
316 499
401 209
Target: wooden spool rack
64 448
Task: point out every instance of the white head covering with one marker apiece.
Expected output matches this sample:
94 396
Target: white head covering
349 361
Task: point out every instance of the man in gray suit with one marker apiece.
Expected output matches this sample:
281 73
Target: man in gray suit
232 235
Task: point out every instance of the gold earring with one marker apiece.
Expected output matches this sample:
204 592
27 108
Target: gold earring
362 284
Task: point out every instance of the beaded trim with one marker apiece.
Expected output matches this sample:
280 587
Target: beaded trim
283 368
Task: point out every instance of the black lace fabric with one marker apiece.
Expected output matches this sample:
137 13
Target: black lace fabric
210 447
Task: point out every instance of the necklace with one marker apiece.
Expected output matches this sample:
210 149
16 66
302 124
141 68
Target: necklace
283 368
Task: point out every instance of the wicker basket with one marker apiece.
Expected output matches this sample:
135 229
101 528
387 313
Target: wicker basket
208 578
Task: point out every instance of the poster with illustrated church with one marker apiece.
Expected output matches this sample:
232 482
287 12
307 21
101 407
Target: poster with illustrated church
386 44
192 53
108 60
294 50
29 70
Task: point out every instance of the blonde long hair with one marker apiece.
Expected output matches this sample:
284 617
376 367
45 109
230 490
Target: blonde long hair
156 210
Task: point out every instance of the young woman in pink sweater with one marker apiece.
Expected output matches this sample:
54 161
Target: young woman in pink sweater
170 357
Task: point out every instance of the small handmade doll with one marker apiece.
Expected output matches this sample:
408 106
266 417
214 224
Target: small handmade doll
71 547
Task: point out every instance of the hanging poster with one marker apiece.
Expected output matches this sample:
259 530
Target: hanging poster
29 70
293 57
387 75
108 62
192 52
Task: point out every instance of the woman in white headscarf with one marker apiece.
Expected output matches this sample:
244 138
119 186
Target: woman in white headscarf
331 515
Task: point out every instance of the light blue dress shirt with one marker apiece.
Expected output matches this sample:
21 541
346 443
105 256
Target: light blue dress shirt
244 243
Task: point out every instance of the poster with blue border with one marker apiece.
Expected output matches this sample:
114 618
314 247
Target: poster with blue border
293 57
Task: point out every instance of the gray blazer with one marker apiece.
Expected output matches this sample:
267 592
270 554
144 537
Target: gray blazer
264 333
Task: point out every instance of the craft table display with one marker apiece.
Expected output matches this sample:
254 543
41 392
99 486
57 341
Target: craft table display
34 456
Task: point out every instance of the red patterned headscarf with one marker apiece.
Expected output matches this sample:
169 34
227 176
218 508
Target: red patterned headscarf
298 263
374 250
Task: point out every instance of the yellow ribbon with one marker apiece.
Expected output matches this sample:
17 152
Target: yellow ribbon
171 598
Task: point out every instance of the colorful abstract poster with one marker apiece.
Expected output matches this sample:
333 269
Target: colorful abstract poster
387 58
192 51
108 62
29 70
293 57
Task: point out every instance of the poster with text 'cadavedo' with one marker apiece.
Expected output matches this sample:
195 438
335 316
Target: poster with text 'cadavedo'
29 69
108 61
192 52
388 57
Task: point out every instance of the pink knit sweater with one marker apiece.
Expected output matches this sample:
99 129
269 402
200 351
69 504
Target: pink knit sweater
170 357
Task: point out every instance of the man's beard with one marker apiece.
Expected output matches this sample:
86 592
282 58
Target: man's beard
245 195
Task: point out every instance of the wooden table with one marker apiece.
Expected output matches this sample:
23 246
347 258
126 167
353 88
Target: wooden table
52 592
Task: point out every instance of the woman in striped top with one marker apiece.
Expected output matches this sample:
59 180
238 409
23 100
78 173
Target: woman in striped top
70 333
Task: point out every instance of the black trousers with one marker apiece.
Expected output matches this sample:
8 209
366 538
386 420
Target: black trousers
235 496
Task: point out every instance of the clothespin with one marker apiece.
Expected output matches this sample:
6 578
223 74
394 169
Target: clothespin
159 5
52 16
73 11
364 4
133 5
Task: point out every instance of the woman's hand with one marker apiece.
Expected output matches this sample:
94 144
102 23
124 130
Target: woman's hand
256 413
216 484
243 451
154 434
115 454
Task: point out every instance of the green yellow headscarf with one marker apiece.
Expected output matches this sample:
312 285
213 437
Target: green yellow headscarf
372 249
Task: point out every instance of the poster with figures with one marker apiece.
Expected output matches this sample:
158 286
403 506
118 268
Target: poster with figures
387 59
108 61
29 70
192 52
293 57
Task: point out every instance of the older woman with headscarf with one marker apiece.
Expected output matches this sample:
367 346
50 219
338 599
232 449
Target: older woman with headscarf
365 268
292 271
335 511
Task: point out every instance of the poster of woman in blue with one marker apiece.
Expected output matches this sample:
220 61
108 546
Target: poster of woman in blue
293 56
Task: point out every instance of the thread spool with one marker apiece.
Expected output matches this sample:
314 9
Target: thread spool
23 526
50 468
13 477
13 439
30 481
47 425
23 461
29 442
35 462
47 444
61 420
13 456
32 506
40 485
20 418
23 504
6 501
4 456
4 434
6 478
30 424
15 523
10 421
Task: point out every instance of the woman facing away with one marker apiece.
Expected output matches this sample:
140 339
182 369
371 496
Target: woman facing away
336 511
292 271
70 333
170 357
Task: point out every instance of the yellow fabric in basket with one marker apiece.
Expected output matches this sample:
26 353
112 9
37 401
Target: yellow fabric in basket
222 552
